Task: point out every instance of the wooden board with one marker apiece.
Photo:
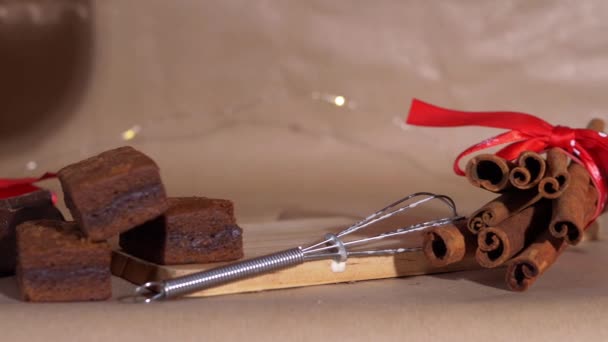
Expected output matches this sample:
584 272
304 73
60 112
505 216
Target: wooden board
260 239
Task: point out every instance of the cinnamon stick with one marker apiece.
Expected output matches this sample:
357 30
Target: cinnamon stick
535 259
448 244
592 233
489 172
557 178
500 243
597 125
525 269
530 170
569 217
500 208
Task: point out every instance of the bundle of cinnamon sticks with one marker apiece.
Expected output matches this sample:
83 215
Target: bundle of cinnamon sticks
545 204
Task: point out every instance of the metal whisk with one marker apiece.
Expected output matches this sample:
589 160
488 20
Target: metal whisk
333 246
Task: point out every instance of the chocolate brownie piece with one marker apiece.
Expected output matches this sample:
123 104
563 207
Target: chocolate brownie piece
192 230
15 210
56 262
113 192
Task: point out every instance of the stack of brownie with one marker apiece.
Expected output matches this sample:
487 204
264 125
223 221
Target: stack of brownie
118 192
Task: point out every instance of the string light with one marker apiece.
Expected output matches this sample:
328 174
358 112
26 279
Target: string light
31 165
339 101
336 100
131 133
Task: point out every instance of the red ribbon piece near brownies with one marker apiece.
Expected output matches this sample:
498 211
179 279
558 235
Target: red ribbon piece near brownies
11 187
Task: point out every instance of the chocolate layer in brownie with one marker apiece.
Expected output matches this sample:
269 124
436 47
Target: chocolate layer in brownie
56 262
192 230
16 210
113 192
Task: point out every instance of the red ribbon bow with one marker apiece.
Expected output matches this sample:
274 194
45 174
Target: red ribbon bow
19 186
527 133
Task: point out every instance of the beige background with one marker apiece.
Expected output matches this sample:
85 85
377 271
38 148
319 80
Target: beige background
233 99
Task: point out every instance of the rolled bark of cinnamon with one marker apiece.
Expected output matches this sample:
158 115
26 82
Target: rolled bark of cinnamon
592 233
597 125
529 172
535 259
569 217
489 172
501 208
557 177
525 269
448 244
498 244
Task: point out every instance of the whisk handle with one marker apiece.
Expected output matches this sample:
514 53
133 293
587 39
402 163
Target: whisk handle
221 275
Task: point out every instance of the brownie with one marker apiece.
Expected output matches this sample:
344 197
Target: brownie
18 209
192 230
113 192
56 262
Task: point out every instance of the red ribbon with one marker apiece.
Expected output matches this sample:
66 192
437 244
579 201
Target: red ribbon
527 133
19 186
